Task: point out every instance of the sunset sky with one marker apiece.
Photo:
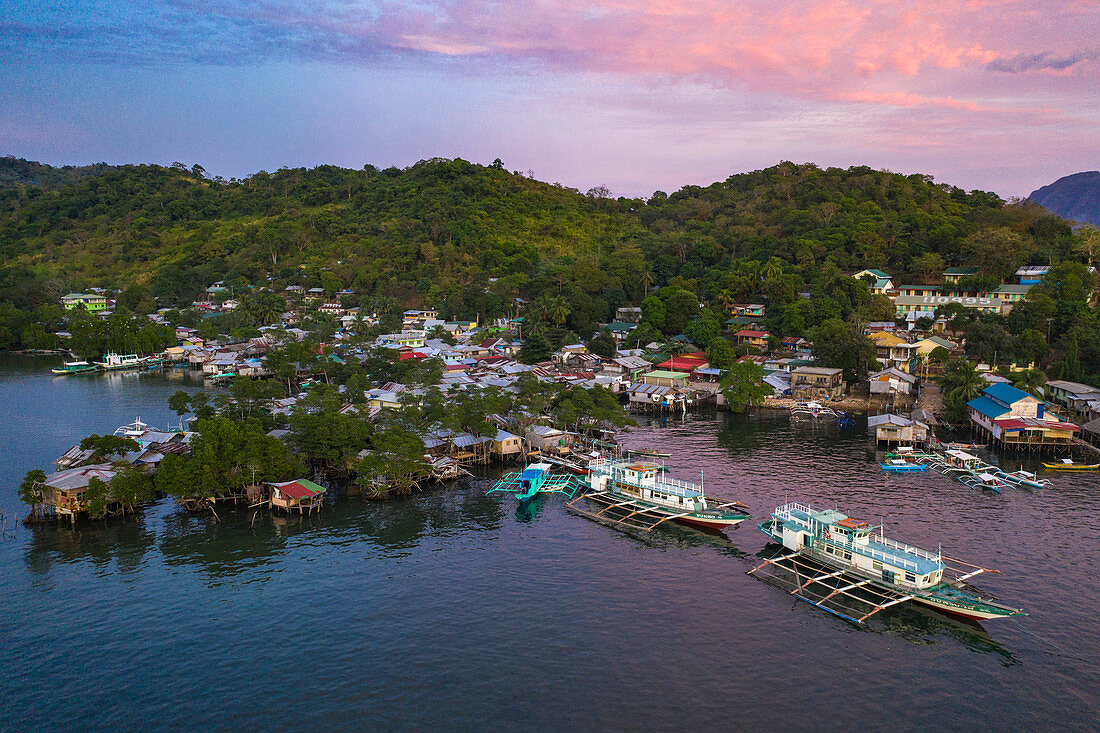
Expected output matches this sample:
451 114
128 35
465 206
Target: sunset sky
654 94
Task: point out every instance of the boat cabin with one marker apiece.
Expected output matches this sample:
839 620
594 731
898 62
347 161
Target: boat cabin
532 477
961 459
839 540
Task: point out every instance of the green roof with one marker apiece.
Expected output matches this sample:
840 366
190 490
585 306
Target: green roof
621 326
961 271
662 374
1010 288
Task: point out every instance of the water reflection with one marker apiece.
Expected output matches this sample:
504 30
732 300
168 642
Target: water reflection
123 541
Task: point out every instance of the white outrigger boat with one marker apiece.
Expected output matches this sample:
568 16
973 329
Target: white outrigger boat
638 495
839 565
113 362
812 409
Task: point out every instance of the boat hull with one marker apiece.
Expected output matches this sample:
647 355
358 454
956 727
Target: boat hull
1076 467
973 613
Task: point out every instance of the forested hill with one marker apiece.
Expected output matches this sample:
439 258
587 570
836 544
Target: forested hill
441 231
16 172
1075 197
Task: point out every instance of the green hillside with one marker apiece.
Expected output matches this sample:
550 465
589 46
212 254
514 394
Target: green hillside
471 238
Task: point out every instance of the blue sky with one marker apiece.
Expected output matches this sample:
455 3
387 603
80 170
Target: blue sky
637 96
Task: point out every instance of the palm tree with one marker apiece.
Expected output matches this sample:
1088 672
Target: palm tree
960 382
774 268
1030 381
647 279
557 309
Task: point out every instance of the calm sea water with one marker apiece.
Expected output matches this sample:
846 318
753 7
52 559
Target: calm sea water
460 611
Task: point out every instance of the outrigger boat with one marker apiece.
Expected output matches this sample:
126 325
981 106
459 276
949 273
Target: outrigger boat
1024 478
900 465
536 479
983 480
652 453
638 495
837 564
113 362
812 409
75 367
1068 465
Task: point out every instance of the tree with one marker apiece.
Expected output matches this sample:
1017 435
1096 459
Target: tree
105 446
136 298
960 383
96 498
534 349
130 487
603 345
842 345
179 402
32 490
743 386
720 354
1031 381
703 329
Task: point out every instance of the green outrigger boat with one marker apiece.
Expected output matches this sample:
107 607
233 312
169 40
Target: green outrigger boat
75 367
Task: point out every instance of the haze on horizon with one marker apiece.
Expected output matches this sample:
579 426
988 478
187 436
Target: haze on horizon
640 96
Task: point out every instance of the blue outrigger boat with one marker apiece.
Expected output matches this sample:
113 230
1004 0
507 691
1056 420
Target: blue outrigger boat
536 479
899 465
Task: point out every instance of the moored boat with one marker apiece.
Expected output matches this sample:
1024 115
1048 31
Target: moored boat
812 409
113 362
1068 465
648 497
1024 478
901 465
75 367
899 572
536 479
651 452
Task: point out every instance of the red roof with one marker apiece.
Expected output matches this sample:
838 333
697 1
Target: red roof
683 363
754 359
411 355
753 334
1023 423
295 490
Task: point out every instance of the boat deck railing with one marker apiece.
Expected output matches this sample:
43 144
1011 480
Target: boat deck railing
665 484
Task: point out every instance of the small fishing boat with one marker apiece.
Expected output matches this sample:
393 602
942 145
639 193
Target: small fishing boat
75 367
1024 478
651 452
900 465
961 446
639 495
536 479
842 566
1068 465
983 480
812 410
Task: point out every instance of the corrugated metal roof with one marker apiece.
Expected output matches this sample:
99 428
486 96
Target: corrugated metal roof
987 407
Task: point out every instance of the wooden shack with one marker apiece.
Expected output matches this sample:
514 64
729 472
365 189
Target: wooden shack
506 445
302 495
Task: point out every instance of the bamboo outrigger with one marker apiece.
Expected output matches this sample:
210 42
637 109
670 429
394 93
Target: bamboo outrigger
854 574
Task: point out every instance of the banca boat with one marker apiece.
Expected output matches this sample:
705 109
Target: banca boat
651 452
536 479
900 465
812 409
114 362
983 480
639 495
1024 478
840 565
1067 465
75 367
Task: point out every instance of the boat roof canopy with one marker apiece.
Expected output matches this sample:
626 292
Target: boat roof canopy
829 516
852 523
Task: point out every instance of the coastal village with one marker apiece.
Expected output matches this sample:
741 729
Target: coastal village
898 394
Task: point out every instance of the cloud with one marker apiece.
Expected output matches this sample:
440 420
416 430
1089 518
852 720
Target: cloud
1036 62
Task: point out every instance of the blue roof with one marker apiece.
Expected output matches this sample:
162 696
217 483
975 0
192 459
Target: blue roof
987 407
1005 393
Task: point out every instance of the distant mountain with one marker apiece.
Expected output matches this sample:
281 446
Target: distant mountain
1076 197
18 172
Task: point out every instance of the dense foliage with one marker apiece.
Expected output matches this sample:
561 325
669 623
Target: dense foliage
472 239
